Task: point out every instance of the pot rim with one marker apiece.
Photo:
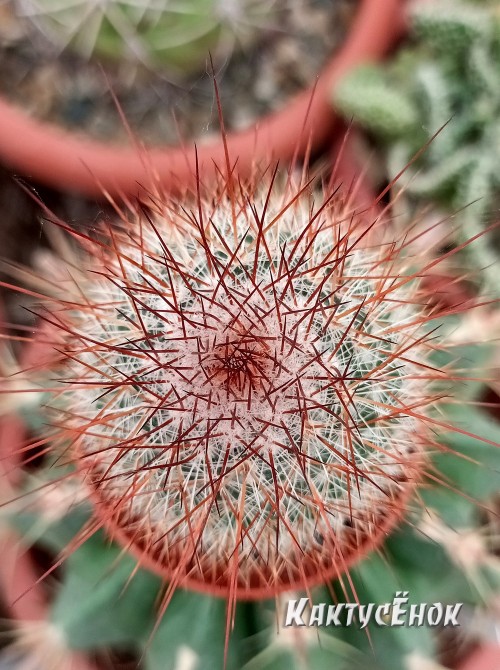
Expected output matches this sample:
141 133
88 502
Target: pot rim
68 161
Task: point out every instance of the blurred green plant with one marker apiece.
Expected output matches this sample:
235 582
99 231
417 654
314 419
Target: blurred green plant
176 35
444 91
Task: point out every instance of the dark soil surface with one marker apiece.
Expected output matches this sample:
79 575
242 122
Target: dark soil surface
68 90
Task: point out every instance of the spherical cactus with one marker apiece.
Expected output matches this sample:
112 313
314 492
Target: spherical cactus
174 35
244 386
249 389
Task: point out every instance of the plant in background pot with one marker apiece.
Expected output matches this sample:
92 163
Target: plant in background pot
72 163
447 83
174 36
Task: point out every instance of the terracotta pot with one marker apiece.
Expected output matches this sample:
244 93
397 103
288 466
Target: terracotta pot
69 162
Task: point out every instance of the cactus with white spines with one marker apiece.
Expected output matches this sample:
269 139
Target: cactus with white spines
244 390
248 378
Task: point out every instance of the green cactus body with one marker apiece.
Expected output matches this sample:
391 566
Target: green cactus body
367 96
450 27
175 35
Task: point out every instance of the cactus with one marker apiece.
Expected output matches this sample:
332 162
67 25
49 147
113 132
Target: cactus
447 84
366 96
175 35
450 26
243 391
241 397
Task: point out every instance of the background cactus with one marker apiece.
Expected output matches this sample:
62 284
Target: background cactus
449 84
175 35
245 394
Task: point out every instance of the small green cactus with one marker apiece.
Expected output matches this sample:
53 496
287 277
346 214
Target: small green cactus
368 97
448 25
447 85
176 35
